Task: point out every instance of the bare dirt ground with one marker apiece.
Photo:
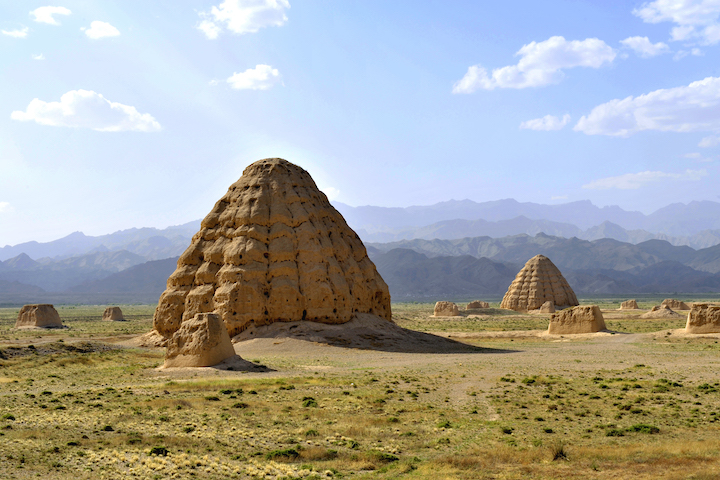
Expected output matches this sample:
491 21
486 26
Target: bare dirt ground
485 395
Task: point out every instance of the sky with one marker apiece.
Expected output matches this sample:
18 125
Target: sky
121 114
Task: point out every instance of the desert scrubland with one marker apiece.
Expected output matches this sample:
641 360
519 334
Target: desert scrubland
639 401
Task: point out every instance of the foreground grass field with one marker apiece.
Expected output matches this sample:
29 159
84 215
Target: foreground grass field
76 403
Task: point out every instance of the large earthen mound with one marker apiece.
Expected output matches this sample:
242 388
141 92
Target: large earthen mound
477 304
539 281
582 319
629 305
675 304
201 341
703 318
446 309
41 315
662 311
272 249
113 314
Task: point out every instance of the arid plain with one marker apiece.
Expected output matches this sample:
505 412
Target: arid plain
507 401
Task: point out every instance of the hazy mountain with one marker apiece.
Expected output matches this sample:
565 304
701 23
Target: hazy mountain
149 243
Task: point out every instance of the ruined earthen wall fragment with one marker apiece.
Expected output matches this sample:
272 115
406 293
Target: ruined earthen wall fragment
581 319
703 318
201 341
446 309
40 315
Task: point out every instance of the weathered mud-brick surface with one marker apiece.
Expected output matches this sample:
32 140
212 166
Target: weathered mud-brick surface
703 318
582 319
477 304
629 305
202 341
539 281
113 314
675 304
446 309
41 315
273 249
547 307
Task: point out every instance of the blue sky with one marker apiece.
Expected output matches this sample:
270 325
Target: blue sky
119 114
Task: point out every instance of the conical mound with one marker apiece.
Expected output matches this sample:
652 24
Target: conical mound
272 249
539 281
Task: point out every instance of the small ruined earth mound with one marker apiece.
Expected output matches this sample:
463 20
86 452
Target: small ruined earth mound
547 307
703 318
38 316
446 309
539 281
662 311
581 319
272 249
202 341
675 304
113 314
477 304
629 305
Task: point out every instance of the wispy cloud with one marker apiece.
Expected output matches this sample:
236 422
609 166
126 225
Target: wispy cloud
4 206
47 14
262 77
38 57
634 181
16 33
541 63
243 16
695 20
694 108
644 48
709 142
100 29
87 109
546 123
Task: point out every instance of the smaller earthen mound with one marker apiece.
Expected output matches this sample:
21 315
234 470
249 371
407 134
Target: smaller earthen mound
629 305
477 304
446 309
113 314
703 318
201 341
38 316
675 304
662 311
581 319
547 307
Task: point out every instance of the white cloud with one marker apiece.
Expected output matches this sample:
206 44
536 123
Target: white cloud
87 109
696 52
695 108
16 33
694 19
331 192
38 57
633 181
100 29
4 206
45 14
243 16
546 123
541 63
262 77
693 155
711 141
644 48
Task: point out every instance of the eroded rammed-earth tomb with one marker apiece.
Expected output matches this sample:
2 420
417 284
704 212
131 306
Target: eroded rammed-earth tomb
273 249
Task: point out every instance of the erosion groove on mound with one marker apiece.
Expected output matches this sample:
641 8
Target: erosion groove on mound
273 249
539 281
41 315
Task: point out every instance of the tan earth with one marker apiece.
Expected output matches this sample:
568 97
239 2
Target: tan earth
629 305
273 249
703 318
581 319
547 307
113 314
675 304
38 316
446 309
539 281
662 311
202 341
477 304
